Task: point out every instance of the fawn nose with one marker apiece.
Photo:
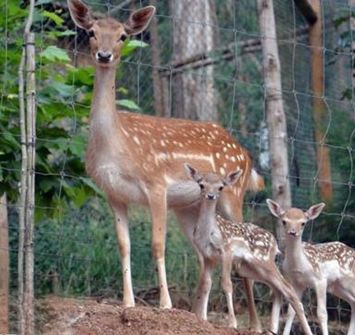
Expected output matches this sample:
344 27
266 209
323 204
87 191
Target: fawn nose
211 196
104 56
292 232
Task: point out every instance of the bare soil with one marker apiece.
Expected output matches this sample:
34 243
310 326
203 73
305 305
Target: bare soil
67 316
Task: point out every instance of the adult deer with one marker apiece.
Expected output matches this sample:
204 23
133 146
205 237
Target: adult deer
324 266
139 159
248 248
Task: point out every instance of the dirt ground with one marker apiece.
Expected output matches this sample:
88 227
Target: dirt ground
67 316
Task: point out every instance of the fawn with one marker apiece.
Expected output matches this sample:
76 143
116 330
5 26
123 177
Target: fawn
324 266
247 247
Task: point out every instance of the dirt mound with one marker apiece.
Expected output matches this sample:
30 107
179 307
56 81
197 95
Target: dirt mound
66 316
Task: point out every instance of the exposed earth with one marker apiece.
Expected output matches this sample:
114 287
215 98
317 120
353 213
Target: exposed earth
67 316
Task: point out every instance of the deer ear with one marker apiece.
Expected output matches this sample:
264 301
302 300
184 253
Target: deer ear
192 173
314 211
80 14
232 177
139 20
275 208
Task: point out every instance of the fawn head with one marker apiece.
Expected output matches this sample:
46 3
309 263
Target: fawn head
211 184
294 220
107 35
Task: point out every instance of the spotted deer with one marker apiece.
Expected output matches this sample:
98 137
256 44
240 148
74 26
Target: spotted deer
138 159
324 266
248 248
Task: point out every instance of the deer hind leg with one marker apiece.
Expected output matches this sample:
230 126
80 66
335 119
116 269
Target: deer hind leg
158 210
124 246
345 290
276 281
231 208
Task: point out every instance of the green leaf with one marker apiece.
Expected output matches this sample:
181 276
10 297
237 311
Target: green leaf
88 182
53 53
54 17
128 104
132 45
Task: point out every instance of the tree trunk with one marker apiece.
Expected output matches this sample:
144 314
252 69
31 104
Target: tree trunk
319 108
193 93
157 82
275 115
4 267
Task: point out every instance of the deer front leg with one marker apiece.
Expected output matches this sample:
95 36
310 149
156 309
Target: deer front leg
200 304
124 246
254 322
321 292
228 288
275 312
231 208
158 210
293 295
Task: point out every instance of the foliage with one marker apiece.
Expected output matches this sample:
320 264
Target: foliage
81 251
63 99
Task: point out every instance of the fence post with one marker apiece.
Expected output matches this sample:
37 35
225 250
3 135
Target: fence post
319 106
4 267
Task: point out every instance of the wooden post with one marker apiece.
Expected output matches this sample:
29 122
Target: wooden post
27 92
275 115
31 152
319 107
4 267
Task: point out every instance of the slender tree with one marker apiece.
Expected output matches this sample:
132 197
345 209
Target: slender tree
275 115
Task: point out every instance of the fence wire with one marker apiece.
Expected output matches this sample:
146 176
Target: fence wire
214 54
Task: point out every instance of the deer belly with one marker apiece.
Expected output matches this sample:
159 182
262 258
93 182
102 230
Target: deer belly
182 193
118 186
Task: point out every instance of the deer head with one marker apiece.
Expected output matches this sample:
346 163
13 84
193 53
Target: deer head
107 35
294 220
211 184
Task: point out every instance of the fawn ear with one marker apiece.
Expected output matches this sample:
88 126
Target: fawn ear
232 177
314 211
275 208
192 173
139 20
80 14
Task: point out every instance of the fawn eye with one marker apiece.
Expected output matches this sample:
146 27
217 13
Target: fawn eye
91 34
284 222
303 224
220 188
122 38
202 186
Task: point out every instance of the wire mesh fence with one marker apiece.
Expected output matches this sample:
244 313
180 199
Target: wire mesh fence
203 61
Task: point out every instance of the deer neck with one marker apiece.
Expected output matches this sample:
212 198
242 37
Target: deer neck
103 109
206 224
294 252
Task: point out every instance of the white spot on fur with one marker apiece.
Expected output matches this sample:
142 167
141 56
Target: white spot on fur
136 139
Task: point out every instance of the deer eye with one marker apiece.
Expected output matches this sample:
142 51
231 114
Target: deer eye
220 188
122 38
303 224
284 222
202 186
91 34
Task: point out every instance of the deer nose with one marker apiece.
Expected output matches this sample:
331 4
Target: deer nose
292 232
211 196
104 56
